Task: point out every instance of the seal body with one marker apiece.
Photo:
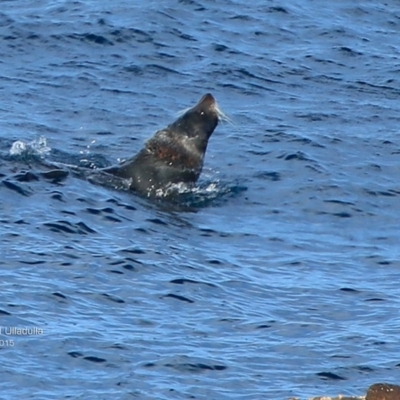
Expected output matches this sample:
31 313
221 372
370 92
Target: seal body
174 154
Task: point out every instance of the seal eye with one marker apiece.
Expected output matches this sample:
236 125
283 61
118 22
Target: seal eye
201 112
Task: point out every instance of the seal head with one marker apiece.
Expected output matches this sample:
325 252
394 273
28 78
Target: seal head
174 154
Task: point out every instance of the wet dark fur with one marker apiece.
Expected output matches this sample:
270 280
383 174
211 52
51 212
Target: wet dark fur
174 154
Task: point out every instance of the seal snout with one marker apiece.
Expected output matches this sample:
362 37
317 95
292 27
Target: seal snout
207 100
209 104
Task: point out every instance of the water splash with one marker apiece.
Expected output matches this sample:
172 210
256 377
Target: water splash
86 162
35 147
200 195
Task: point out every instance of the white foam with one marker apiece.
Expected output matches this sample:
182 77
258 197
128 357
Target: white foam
38 147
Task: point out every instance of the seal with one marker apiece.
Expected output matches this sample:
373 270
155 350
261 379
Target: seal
174 154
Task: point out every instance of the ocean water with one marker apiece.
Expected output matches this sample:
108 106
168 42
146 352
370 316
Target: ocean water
278 277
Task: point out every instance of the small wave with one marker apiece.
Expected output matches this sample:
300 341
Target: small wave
98 177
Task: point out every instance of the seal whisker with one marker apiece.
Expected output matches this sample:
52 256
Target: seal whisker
181 112
221 115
